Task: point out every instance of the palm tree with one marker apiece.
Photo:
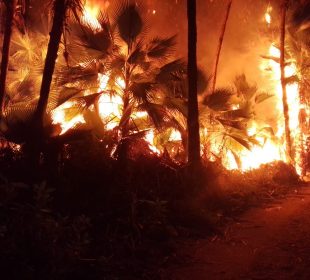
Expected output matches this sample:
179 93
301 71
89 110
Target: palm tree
283 80
10 10
192 120
298 22
232 110
140 71
60 10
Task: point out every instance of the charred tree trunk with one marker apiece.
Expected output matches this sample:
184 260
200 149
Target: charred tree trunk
219 48
50 61
193 114
10 10
283 81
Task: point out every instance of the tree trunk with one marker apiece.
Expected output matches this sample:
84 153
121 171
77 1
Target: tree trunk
50 60
10 10
219 48
283 82
193 114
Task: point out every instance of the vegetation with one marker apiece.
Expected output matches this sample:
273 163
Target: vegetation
94 183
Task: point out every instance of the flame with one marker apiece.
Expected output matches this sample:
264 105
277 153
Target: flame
268 15
270 150
149 137
268 18
89 17
110 106
265 149
59 117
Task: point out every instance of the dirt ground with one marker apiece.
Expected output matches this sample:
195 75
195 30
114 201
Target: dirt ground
270 242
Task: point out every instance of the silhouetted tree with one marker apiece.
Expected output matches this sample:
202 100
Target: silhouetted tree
10 10
193 113
220 44
60 9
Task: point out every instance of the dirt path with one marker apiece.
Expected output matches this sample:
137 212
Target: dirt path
271 242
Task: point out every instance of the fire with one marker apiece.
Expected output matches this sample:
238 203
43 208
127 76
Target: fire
149 137
268 15
266 148
110 105
59 117
90 17
269 149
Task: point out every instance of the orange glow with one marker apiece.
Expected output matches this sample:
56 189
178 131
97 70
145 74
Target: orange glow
90 14
269 150
59 117
268 15
264 149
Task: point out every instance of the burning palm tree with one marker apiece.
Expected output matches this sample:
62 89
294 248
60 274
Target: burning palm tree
138 82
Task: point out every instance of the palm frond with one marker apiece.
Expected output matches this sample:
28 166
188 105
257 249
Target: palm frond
88 44
172 71
240 140
156 112
176 104
128 20
219 100
67 93
138 54
237 124
141 91
261 97
85 75
245 112
161 48
244 88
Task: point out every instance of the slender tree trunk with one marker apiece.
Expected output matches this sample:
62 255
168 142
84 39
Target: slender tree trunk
50 61
10 10
219 47
283 81
193 114
126 113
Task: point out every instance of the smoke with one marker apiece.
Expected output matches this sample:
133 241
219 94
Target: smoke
244 41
